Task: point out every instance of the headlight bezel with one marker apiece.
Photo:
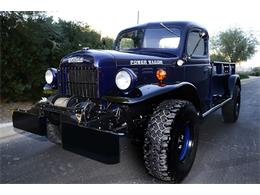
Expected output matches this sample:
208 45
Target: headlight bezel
132 77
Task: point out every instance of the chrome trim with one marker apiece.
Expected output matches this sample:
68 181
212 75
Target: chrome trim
215 107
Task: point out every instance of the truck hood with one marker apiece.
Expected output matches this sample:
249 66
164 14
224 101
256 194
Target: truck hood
141 58
114 58
109 62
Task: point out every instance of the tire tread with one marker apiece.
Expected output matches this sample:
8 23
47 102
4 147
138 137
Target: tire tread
158 136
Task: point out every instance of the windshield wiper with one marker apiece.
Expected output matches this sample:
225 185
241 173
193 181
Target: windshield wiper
168 29
202 36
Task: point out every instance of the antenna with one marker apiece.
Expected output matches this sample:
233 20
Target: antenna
138 17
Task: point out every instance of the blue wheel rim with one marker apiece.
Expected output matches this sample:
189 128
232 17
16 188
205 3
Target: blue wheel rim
185 145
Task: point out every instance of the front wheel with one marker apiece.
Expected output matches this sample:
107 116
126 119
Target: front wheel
171 140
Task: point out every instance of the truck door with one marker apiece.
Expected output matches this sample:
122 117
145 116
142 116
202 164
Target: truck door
198 68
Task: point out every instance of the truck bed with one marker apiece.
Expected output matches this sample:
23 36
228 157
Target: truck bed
220 74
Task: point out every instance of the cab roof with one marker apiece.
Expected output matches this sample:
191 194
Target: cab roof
182 24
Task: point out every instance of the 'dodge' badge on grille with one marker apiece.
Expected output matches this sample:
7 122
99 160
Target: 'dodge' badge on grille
75 60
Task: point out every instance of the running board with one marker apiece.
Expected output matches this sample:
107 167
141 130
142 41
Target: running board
215 108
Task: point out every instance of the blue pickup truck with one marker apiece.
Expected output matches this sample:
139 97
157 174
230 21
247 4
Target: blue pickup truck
154 86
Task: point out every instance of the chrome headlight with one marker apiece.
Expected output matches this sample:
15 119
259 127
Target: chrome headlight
51 76
125 79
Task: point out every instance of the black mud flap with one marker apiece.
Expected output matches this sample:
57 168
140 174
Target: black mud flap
29 122
98 145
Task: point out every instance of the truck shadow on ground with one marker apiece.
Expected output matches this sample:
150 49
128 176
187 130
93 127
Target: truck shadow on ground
211 129
215 138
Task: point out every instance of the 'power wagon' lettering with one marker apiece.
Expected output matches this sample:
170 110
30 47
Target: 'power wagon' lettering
146 62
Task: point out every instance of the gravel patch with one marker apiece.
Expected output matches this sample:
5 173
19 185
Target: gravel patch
6 110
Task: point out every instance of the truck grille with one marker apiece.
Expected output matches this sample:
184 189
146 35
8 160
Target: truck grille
78 80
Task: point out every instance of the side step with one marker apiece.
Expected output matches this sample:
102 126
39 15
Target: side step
215 107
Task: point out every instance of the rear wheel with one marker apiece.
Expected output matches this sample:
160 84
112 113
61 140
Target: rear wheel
171 140
230 111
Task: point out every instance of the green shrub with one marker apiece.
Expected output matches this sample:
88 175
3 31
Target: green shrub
30 43
255 71
243 75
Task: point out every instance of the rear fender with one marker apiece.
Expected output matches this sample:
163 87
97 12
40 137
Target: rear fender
233 80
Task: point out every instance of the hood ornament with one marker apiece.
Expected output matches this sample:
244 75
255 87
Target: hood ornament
85 49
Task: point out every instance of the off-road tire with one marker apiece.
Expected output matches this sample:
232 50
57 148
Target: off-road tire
53 133
230 110
160 148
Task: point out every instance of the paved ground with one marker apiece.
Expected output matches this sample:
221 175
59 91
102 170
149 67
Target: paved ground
228 153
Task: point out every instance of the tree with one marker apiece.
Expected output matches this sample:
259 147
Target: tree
107 42
31 42
25 53
233 45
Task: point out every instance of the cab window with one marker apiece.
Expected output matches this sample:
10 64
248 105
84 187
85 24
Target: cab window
131 40
196 46
162 38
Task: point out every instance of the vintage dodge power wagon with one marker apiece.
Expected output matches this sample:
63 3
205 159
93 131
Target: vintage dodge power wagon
155 86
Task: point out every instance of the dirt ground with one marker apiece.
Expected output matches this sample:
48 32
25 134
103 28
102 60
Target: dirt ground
6 110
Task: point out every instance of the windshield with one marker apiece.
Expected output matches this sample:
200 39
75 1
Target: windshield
149 38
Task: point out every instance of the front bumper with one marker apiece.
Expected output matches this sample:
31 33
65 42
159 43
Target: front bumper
29 122
95 143
98 145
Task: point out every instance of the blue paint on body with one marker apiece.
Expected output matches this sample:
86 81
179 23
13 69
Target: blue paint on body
197 70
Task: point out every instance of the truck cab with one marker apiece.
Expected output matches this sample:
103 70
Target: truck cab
183 47
155 85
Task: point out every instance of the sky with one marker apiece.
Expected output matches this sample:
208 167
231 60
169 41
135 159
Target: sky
109 17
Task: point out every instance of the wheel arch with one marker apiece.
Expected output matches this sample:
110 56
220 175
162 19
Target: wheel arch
233 80
151 93
185 92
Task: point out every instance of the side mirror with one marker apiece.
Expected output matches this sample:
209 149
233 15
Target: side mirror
182 60
203 34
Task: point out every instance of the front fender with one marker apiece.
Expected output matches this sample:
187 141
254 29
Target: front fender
183 90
